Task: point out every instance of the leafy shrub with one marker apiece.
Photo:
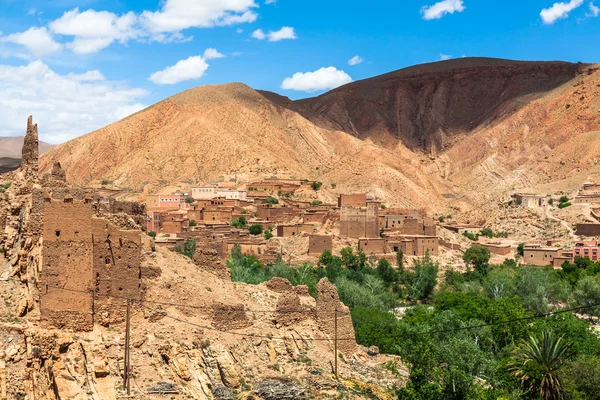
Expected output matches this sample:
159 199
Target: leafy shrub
240 222
189 200
316 203
316 185
188 249
271 200
471 236
563 199
478 257
420 284
268 234
152 234
192 223
564 205
256 229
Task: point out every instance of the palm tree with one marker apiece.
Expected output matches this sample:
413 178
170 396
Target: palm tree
536 363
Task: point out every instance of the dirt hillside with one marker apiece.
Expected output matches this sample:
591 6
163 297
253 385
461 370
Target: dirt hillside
456 134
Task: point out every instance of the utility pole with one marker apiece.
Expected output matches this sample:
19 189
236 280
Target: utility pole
335 343
126 365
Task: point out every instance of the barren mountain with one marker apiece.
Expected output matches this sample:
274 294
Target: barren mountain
10 146
474 128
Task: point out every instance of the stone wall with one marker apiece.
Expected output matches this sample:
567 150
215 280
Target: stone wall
359 222
588 229
352 200
376 246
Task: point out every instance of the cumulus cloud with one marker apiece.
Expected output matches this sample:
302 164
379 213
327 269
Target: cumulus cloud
211 53
559 11
193 67
441 8
594 10
444 57
286 32
321 79
37 40
90 31
177 15
66 106
355 60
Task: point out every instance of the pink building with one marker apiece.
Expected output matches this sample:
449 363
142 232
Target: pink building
176 200
586 250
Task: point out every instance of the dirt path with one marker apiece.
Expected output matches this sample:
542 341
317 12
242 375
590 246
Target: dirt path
563 223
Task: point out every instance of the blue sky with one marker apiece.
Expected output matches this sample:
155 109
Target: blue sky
79 65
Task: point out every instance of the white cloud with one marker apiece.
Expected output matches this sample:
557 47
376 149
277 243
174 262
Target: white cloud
441 8
211 53
127 110
559 11
177 15
37 40
321 79
270 1
259 34
444 57
31 11
239 30
193 67
355 60
286 32
95 30
65 106
89 76
594 10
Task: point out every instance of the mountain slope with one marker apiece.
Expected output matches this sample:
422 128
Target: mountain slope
10 146
426 106
231 131
489 126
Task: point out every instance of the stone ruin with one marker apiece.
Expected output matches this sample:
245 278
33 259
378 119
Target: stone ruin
76 260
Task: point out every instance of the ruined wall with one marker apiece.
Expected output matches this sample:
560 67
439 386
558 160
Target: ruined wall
116 269
317 244
352 200
229 317
30 152
327 302
376 246
66 264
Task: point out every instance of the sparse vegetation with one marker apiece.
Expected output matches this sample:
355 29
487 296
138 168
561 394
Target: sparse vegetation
488 232
383 206
316 185
471 236
192 223
188 249
189 200
271 200
316 203
152 234
563 202
268 234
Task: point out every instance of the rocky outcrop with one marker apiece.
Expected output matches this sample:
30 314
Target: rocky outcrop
30 153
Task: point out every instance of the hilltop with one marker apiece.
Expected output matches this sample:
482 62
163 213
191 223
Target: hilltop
455 134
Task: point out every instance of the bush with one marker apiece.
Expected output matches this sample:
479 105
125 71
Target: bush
564 205
316 185
316 203
240 222
271 200
192 223
563 199
551 201
256 229
586 294
268 234
152 234
441 219
189 200
472 236
383 206
521 249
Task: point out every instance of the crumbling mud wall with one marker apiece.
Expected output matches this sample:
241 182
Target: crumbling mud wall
117 271
229 317
66 274
328 302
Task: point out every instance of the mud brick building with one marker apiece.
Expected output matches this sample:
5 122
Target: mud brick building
373 246
352 200
542 256
587 250
496 248
317 244
415 245
588 229
359 222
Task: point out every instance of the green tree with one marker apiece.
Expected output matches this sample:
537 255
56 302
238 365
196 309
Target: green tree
581 378
400 260
152 234
189 200
316 185
188 249
487 232
536 363
271 200
563 199
478 257
268 234
255 229
421 283
587 294
521 249
386 272
192 223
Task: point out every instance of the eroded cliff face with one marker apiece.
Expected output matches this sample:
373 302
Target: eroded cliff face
427 106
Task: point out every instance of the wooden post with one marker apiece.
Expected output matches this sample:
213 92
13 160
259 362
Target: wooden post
126 366
335 343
